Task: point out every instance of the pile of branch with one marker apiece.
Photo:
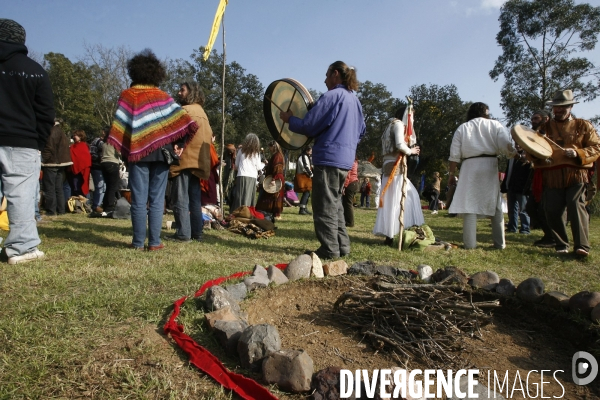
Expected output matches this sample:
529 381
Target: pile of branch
417 321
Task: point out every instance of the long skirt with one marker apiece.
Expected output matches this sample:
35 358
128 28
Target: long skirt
270 202
244 192
387 223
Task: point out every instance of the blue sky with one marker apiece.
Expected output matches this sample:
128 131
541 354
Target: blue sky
398 43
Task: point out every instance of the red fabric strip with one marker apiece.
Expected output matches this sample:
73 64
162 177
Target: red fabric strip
204 360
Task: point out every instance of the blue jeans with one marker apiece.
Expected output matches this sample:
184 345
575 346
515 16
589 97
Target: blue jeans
187 206
99 188
365 198
20 174
148 183
516 208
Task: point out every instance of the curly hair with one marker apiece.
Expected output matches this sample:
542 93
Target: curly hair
478 110
251 145
348 74
146 69
195 94
81 134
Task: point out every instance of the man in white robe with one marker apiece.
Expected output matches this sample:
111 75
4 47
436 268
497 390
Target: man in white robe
476 144
387 222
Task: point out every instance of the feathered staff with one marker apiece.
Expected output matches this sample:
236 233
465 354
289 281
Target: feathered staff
411 139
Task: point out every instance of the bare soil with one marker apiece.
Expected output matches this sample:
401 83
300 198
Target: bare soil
522 338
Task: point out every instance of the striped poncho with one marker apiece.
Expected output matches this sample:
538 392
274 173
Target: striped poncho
147 119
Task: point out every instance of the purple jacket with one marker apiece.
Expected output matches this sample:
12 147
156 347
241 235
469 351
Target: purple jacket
337 124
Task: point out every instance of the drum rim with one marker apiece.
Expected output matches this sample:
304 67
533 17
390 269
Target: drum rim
308 100
515 135
278 182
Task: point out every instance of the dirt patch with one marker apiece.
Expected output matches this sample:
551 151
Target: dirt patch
520 339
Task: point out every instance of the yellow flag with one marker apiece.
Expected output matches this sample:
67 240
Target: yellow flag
215 28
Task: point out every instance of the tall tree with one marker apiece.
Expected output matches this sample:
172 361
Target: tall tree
438 113
243 94
378 106
73 95
108 69
542 42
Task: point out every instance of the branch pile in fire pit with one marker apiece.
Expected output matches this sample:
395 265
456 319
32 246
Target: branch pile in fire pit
424 321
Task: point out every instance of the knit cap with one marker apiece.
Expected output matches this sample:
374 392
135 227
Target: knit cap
10 31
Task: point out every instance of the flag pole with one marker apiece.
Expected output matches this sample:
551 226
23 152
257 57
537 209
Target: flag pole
221 191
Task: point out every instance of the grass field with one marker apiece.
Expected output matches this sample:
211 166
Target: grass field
72 325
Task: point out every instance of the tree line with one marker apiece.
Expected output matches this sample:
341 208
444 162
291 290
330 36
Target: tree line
543 42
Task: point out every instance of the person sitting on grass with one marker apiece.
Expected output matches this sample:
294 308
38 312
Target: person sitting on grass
290 198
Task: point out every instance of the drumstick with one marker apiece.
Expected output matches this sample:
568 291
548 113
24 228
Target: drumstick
553 142
279 108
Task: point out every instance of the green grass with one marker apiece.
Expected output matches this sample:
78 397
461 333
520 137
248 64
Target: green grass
86 321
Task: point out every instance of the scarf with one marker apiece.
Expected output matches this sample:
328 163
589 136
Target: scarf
147 119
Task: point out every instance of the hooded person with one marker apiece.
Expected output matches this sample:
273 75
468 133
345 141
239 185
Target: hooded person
26 117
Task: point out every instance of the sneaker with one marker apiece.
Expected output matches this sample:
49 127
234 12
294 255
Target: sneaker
562 251
582 252
434 212
31 256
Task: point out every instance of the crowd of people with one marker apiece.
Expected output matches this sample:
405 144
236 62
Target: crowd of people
166 147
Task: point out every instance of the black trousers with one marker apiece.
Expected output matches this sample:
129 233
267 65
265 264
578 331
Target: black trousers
110 171
52 185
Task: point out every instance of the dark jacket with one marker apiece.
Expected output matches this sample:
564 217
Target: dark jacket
519 177
26 100
56 153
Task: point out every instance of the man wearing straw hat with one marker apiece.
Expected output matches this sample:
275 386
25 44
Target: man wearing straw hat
575 147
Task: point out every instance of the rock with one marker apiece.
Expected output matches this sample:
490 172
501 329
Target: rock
506 287
556 300
255 343
335 268
237 291
531 289
596 313
256 281
276 275
362 268
584 302
325 384
385 270
317 267
228 334
259 270
480 391
425 272
450 275
290 370
217 298
223 314
299 268
487 280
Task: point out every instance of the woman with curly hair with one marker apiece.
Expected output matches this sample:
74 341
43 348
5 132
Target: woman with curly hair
247 166
273 202
146 124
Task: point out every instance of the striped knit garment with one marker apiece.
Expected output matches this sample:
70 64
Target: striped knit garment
147 119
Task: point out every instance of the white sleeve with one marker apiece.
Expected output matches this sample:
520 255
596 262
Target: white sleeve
455 147
398 135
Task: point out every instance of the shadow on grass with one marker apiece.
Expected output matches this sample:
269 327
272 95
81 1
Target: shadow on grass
86 232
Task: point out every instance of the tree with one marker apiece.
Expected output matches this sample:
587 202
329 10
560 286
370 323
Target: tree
73 96
438 113
378 106
108 69
541 44
243 94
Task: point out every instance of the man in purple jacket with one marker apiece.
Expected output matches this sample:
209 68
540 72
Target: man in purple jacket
337 124
26 116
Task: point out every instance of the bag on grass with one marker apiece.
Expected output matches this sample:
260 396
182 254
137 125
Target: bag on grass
417 237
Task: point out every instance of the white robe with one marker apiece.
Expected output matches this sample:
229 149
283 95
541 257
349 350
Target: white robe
387 222
478 189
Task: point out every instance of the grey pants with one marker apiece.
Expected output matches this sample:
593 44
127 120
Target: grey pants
470 230
573 199
328 212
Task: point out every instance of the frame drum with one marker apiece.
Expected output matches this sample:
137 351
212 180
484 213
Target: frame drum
531 141
282 95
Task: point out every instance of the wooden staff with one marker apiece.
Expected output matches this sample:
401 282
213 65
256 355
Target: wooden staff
402 200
